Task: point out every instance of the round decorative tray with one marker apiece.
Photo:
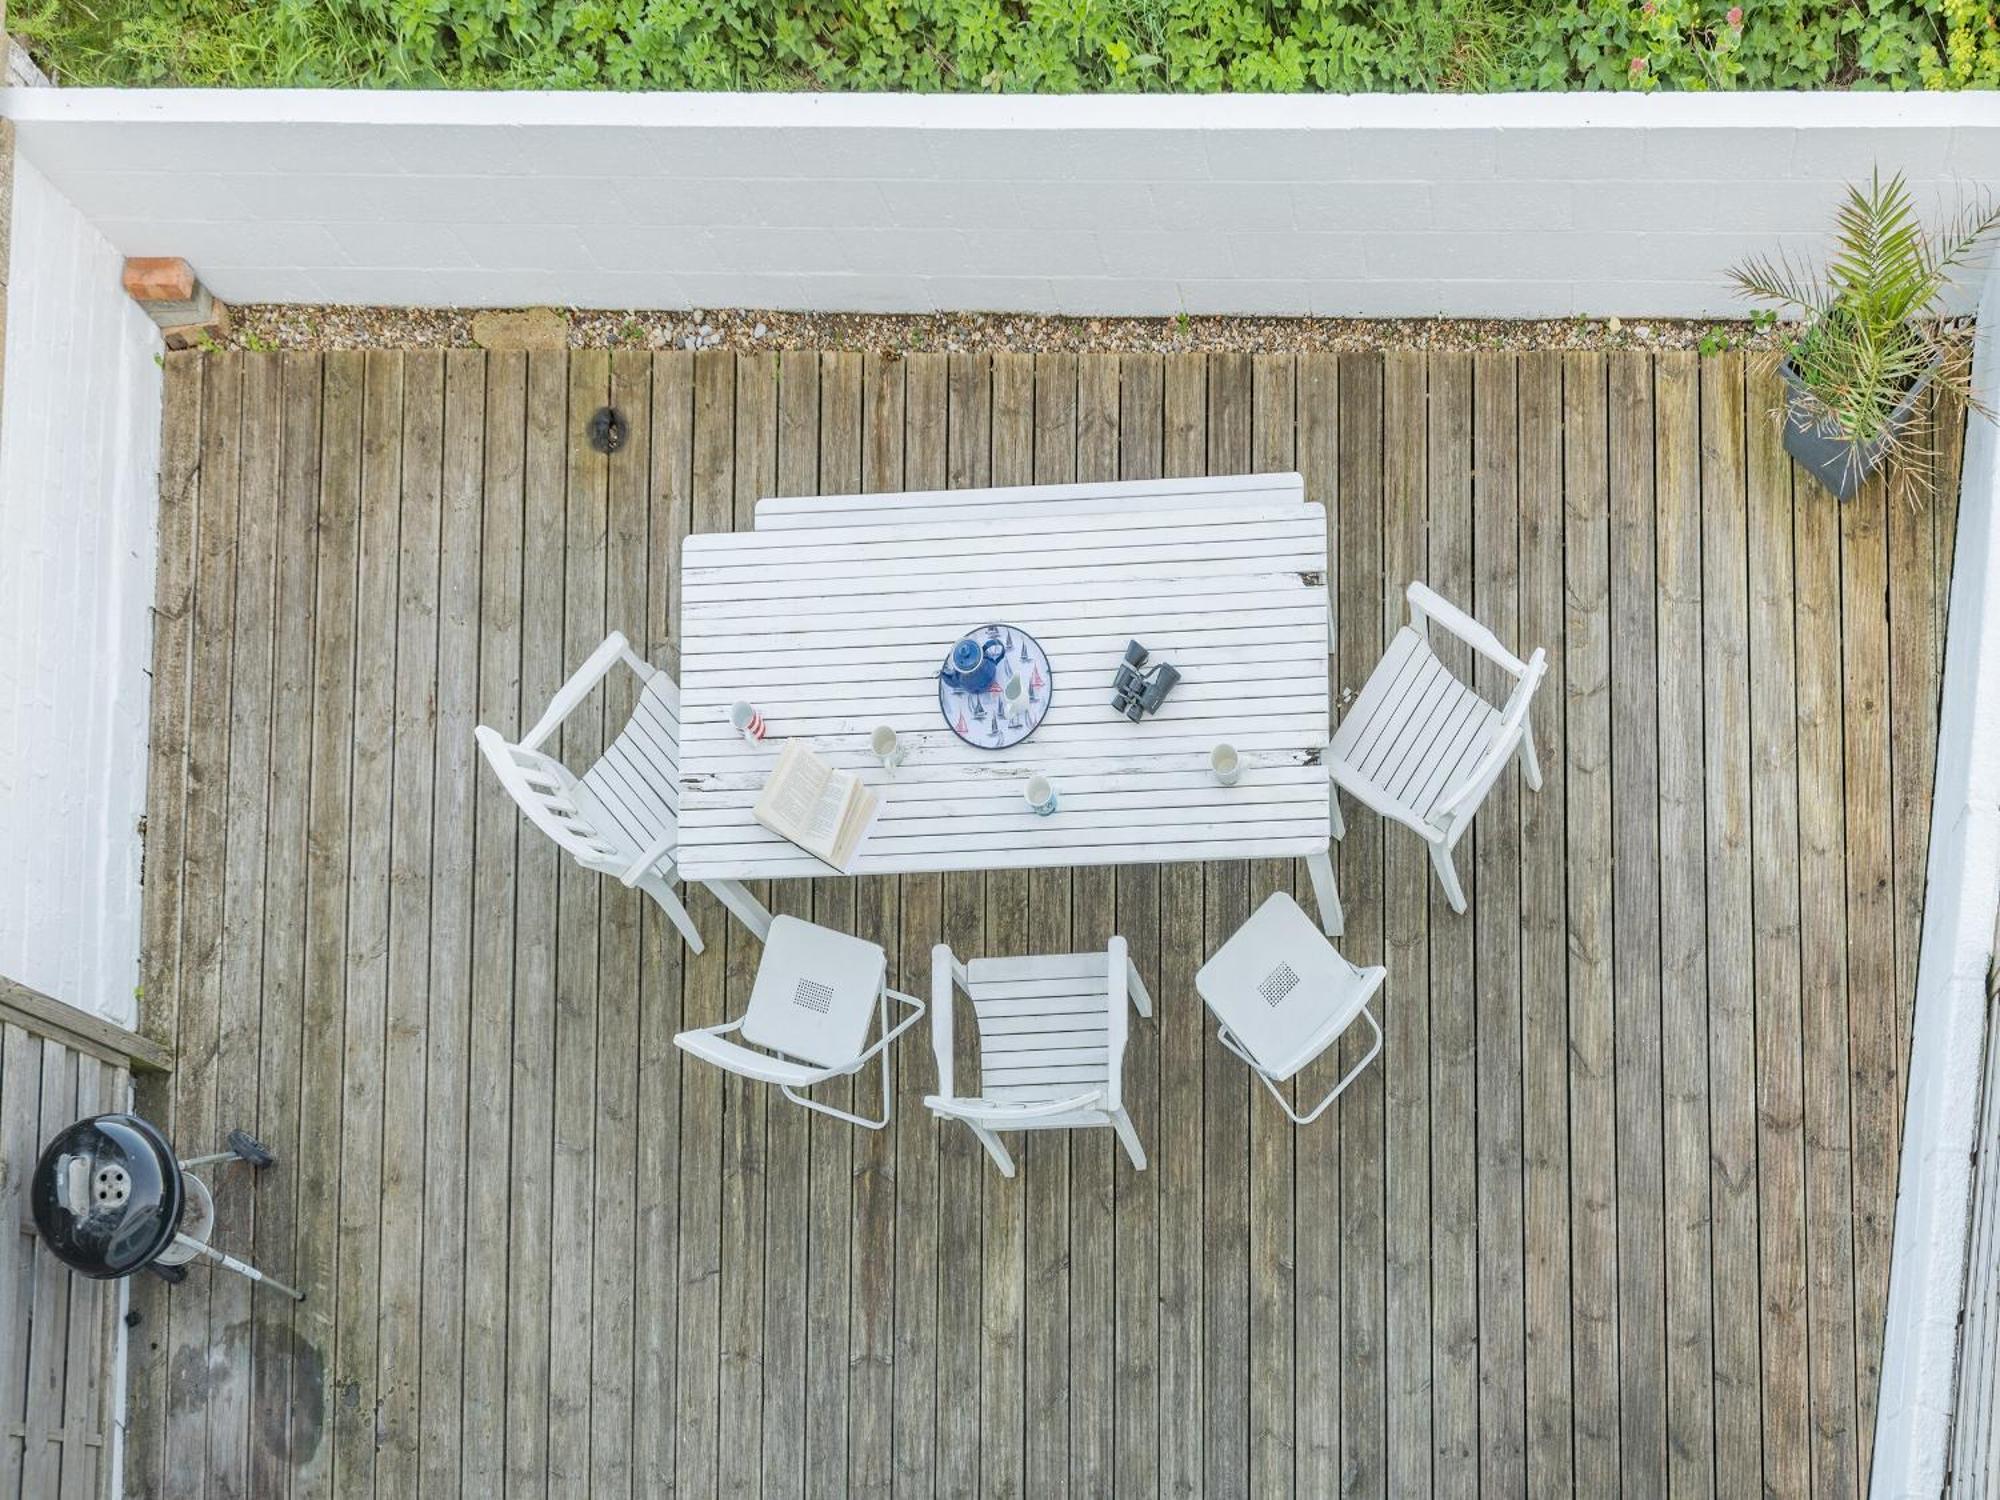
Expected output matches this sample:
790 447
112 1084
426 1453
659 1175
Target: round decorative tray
983 719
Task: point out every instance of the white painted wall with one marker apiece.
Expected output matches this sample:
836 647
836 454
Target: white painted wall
79 451
1975 1439
1515 206
1961 899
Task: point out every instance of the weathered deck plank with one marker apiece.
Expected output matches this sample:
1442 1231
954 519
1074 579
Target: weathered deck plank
1731 984
1775 932
1496 839
1545 1200
412 824
1587 785
1136 1195
447 1108
1228 1458
1455 1431
1635 882
745 1105
531 1116
1683 930
275 1384
1316 1383
1623 1101
495 880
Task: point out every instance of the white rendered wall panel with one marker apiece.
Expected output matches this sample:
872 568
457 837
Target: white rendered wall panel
1509 206
79 439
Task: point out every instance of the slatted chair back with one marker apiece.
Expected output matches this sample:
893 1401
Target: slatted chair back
622 816
1421 745
786 512
1465 796
553 800
1052 1035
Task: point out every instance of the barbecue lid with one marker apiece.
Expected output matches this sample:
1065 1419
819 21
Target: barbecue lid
107 1195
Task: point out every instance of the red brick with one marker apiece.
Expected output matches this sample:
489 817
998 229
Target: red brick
159 278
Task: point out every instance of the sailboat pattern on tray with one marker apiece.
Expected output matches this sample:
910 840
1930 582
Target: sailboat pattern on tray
982 719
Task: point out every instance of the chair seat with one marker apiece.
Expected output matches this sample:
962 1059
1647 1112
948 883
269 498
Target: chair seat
1043 1031
1415 730
816 993
747 1061
1280 988
635 784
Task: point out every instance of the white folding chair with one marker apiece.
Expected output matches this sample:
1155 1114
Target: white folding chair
1051 1043
1424 748
622 816
816 993
1282 995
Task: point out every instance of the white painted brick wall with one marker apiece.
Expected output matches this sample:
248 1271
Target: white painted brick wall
1518 206
79 446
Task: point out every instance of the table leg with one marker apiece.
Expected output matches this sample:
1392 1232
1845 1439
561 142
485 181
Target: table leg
748 909
1321 869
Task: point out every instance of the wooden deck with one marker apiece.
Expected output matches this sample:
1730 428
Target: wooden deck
1614 1207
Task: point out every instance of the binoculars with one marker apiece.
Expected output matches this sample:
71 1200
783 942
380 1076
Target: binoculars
1137 690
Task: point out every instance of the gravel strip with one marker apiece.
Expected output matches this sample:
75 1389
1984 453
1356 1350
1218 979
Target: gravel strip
297 327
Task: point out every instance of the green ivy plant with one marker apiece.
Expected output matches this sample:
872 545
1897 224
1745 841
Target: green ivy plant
1969 56
1021 46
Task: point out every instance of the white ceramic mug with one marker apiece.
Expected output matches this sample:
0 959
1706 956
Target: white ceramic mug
1040 795
888 747
749 723
1225 765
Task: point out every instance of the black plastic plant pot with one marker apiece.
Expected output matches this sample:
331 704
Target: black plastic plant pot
1835 460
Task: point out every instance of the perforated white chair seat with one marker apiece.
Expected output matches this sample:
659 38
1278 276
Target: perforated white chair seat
816 996
1283 995
1043 1030
1415 730
816 993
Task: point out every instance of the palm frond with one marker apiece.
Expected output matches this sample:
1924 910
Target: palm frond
1873 330
1963 243
1778 281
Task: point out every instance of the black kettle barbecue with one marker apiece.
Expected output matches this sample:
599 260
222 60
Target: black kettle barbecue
110 1198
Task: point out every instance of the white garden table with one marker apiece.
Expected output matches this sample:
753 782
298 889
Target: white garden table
833 630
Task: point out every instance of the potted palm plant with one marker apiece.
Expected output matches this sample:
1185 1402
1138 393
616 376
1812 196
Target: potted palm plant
1872 340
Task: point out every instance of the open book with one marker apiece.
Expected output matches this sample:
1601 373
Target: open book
824 811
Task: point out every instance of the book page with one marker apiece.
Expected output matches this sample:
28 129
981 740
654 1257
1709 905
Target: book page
792 791
804 800
860 814
822 829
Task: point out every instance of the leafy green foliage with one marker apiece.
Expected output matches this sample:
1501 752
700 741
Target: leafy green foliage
1970 56
1871 329
1019 46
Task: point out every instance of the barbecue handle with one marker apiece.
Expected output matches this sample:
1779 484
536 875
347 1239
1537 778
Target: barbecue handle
231 1263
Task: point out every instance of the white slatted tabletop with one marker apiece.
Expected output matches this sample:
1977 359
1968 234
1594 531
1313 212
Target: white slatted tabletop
832 631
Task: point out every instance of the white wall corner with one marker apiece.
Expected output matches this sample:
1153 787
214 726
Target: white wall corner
1961 903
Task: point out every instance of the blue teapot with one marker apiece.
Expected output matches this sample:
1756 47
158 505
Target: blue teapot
973 664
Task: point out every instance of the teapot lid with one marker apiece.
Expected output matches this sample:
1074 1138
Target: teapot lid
966 655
